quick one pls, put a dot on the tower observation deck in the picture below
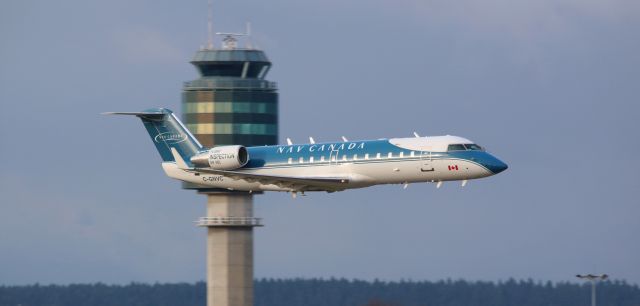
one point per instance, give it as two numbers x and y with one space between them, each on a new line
231 102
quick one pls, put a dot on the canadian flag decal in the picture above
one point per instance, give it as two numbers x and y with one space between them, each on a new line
455 167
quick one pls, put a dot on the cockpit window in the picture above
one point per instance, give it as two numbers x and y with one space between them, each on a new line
464 147
456 147
473 147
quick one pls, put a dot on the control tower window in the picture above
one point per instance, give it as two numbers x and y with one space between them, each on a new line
255 69
456 147
220 69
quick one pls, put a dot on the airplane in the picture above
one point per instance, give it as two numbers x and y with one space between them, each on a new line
328 166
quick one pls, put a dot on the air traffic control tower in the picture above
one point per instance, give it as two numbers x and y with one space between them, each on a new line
231 103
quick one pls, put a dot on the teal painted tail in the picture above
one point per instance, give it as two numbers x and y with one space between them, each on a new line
167 132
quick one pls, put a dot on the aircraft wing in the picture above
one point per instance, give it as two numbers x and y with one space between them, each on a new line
301 183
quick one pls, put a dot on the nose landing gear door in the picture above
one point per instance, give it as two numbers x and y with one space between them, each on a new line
426 160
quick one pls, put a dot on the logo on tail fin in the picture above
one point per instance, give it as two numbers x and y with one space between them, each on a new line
170 137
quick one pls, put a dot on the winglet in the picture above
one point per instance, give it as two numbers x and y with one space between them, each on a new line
179 161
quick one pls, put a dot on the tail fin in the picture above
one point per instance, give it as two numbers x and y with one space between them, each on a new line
167 133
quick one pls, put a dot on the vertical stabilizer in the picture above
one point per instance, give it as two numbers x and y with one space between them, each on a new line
167 133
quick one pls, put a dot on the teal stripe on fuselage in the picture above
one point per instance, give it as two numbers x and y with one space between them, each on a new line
278 156
269 156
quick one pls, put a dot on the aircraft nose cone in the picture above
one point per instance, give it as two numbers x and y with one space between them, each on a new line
499 167
493 164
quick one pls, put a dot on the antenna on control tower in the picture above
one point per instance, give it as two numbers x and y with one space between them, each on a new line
210 26
230 41
249 44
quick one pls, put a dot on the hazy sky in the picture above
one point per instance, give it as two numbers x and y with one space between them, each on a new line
550 87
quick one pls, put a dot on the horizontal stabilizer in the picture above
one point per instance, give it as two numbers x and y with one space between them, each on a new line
139 114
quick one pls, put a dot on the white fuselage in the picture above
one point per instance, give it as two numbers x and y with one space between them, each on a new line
363 172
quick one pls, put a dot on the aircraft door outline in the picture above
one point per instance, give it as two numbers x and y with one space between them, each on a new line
426 162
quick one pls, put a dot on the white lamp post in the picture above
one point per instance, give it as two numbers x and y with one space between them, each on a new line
593 279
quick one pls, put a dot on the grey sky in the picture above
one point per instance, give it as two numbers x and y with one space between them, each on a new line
551 87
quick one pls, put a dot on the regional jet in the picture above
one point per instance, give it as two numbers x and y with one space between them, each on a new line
330 166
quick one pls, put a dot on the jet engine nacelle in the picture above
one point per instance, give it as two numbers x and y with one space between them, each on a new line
222 158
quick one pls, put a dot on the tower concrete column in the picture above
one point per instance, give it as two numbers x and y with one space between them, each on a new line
229 223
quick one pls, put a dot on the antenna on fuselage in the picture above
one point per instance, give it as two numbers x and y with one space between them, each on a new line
416 134
289 141
345 139
311 140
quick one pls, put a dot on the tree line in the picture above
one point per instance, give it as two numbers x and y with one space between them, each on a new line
334 292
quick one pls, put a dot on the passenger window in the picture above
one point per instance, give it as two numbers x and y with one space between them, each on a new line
355 156
344 157
390 155
378 156
322 158
311 159
401 154
456 147
413 154
290 160
301 160
366 156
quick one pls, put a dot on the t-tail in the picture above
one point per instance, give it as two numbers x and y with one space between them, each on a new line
167 132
